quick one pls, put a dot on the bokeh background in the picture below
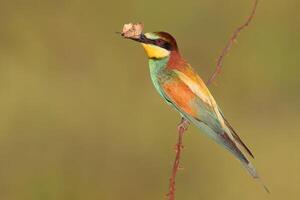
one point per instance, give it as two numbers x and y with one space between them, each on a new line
80 118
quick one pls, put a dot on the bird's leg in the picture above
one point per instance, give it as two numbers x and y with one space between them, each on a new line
182 127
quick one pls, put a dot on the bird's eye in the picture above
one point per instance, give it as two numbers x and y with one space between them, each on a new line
160 42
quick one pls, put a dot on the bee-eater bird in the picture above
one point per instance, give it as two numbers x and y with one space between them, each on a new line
182 88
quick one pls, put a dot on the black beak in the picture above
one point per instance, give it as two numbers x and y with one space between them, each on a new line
142 38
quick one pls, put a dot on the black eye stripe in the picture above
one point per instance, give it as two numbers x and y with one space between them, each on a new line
158 42
164 44
167 46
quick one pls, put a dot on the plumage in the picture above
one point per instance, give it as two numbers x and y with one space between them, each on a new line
182 88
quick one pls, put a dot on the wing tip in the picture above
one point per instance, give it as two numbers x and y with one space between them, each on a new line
237 138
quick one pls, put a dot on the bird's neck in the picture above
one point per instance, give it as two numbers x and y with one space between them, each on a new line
157 68
176 61
156 65
173 61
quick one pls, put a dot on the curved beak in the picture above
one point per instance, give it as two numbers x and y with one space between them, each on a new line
142 39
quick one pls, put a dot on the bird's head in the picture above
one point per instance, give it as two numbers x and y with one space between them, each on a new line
158 45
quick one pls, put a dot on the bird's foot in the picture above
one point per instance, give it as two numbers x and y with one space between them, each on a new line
183 125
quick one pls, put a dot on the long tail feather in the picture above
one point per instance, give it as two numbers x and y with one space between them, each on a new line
232 147
252 171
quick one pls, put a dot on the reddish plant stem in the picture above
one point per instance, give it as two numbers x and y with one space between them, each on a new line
182 127
230 43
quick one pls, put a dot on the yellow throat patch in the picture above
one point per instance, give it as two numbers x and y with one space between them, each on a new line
153 51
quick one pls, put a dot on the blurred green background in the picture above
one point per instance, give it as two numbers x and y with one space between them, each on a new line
80 118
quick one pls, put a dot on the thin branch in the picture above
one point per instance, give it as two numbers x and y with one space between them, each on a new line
182 127
230 43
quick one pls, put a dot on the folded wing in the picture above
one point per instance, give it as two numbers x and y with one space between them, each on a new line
189 95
